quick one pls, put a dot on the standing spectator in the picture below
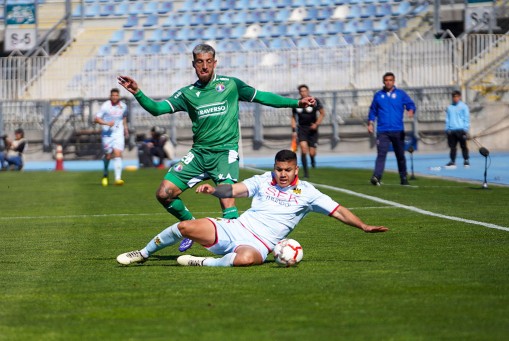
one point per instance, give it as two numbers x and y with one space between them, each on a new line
212 104
13 155
157 146
305 124
457 124
388 108
113 118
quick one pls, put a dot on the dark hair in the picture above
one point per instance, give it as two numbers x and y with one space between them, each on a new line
302 86
387 74
116 90
285 155
203 48
456 93
19 131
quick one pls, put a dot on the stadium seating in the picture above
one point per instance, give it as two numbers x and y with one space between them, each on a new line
154 27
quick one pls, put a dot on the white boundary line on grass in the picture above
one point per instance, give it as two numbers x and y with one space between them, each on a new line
410 208
414 209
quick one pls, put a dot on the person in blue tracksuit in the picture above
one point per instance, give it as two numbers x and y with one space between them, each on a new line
457 124
387 109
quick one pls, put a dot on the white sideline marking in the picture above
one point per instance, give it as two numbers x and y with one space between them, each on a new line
415 209
410 208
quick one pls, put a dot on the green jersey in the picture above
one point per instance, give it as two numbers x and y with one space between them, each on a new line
214 109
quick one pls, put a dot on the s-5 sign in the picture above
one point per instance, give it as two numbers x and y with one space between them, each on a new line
19 38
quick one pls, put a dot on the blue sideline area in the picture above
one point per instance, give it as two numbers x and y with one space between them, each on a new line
424 164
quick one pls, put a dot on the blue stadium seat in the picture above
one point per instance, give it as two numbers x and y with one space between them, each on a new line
168 34
210 32
104 50
78 11
299 3
336 27
171 20
266 16
282 15
199 5
122 9
122 50
324 13
151 8
132 21
197 19
268 4
183 19
211 18
136 7
154 48
305 42
354 12
117 37
253 17
239 17
300 29
379 38
281 43
137 36
322 27
213 5
368 11
279 30
351 27
381 25
141 50
311 13
253 44
226 17
156 35
241 5
402 9
224 32
183 34
283 3
166 6
92 11
229 45
238 31
423 7
365 25
226 5
151 20
383 10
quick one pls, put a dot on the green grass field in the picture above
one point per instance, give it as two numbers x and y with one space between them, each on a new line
428 278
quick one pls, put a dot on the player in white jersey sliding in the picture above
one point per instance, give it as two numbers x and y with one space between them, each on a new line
113 118
280 201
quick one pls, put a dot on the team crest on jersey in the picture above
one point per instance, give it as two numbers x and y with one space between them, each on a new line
393 96
220 87
178 167
157 240
297 190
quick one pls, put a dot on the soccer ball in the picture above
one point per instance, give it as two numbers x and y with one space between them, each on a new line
288 252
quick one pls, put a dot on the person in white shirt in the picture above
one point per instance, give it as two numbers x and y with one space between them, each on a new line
280 201
113 118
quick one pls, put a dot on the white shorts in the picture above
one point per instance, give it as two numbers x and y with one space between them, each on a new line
230 234
113 142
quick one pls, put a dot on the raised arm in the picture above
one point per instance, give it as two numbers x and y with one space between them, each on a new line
346 216
153 107
238 190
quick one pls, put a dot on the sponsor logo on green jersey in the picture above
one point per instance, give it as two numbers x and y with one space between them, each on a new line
214 109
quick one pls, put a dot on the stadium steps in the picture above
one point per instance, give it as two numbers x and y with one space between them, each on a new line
87 41
486 62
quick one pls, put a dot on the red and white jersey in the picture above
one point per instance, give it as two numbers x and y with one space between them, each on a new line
115 113
275 211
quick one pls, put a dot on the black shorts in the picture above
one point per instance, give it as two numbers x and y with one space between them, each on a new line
306 134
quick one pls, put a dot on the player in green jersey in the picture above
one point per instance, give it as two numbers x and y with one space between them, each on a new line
212 103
